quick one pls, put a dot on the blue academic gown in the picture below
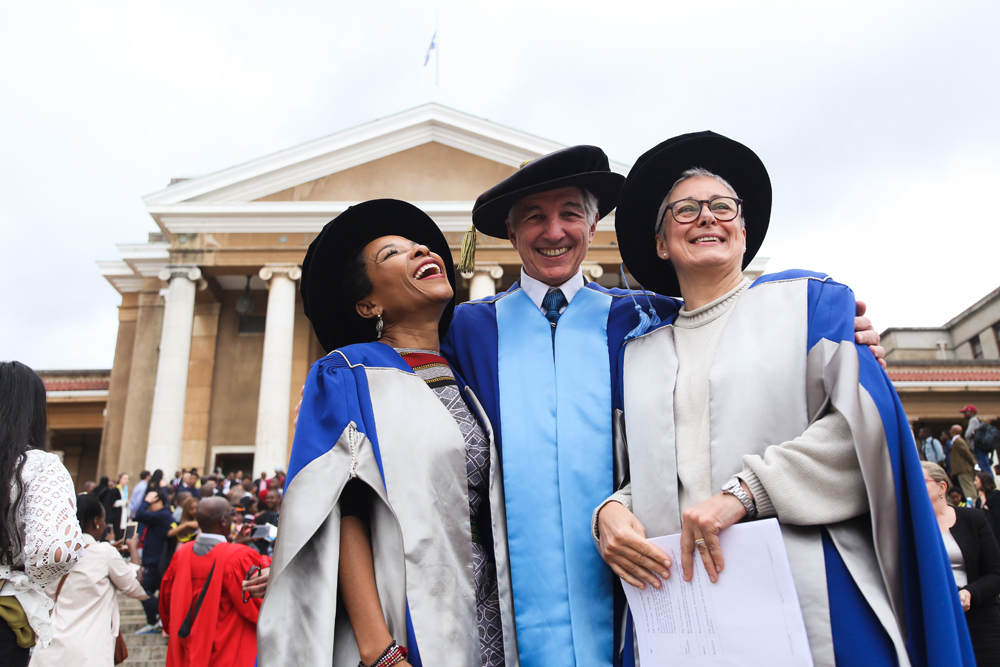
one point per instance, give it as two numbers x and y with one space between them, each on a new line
935 630
550 404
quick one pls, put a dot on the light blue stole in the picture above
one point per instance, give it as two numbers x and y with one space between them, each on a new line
555 416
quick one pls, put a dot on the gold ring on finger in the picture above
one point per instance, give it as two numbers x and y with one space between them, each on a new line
699 542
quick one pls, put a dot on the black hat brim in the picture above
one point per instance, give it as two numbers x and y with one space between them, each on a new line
491 217
322 289
650 181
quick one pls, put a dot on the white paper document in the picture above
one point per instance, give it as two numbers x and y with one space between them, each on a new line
751 616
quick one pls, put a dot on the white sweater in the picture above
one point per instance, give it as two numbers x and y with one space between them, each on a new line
810 480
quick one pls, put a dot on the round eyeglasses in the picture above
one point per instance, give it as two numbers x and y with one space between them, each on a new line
688 210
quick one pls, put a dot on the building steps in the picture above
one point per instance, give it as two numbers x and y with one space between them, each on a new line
143 650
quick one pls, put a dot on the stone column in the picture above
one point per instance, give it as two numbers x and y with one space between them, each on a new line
276 368
483 281
592 271
166 426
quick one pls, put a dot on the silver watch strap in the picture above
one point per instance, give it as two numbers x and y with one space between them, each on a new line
734 488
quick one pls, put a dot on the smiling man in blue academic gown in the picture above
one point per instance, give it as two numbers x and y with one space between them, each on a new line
547 390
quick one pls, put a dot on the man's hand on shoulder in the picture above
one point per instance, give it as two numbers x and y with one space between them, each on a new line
865 334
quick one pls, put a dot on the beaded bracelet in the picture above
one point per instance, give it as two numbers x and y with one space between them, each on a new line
390 656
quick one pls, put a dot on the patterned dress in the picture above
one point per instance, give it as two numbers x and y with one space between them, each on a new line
435 371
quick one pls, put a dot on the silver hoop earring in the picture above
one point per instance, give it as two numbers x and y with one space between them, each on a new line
379 324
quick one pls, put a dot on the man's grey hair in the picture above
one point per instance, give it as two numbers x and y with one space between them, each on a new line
685 175
590 208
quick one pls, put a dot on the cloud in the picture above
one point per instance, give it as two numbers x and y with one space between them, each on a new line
859 110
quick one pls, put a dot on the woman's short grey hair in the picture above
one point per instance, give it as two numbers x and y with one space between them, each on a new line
691 173
935 472
590 208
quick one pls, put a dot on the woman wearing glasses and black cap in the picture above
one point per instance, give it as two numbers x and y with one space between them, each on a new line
392 547
753 402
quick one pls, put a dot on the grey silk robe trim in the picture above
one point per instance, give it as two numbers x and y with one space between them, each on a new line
421 551
765 388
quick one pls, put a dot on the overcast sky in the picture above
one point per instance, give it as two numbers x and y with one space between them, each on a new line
878 121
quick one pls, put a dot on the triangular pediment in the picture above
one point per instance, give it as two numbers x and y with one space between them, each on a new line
428 172
315 165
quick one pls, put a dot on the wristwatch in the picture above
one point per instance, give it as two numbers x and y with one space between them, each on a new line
734 488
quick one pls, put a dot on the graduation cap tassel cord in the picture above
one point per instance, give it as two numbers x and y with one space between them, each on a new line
467 262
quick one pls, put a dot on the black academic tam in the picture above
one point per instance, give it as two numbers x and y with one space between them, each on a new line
323 269
577 166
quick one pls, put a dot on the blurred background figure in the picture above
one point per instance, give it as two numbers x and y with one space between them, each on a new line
975 562
268 517
211 570
988 499
111 498
180 497
40 538
930 447
85 617
187 525
956 498
159 521
963 463
121 515
155 481
138 493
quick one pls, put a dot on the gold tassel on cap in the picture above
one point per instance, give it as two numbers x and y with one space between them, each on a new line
467 263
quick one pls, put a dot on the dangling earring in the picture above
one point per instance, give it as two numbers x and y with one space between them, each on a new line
379 324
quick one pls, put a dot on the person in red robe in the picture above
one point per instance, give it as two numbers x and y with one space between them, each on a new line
209 623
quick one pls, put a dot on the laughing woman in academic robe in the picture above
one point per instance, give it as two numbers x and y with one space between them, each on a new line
754 401
392 548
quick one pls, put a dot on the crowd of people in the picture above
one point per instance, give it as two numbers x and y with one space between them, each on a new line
66 558
466 482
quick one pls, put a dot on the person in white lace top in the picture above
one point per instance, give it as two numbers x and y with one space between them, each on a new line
40 537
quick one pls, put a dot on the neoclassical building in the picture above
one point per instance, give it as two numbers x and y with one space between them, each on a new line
213 346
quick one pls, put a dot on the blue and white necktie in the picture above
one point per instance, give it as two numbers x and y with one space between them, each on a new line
553 302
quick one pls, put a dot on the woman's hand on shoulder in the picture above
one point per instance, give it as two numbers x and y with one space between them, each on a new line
624 547
700 530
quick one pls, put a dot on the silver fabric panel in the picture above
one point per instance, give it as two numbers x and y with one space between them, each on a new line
838 365
649 423
757 382
499 519
804 546
298 621
419 440
853 540
620 450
